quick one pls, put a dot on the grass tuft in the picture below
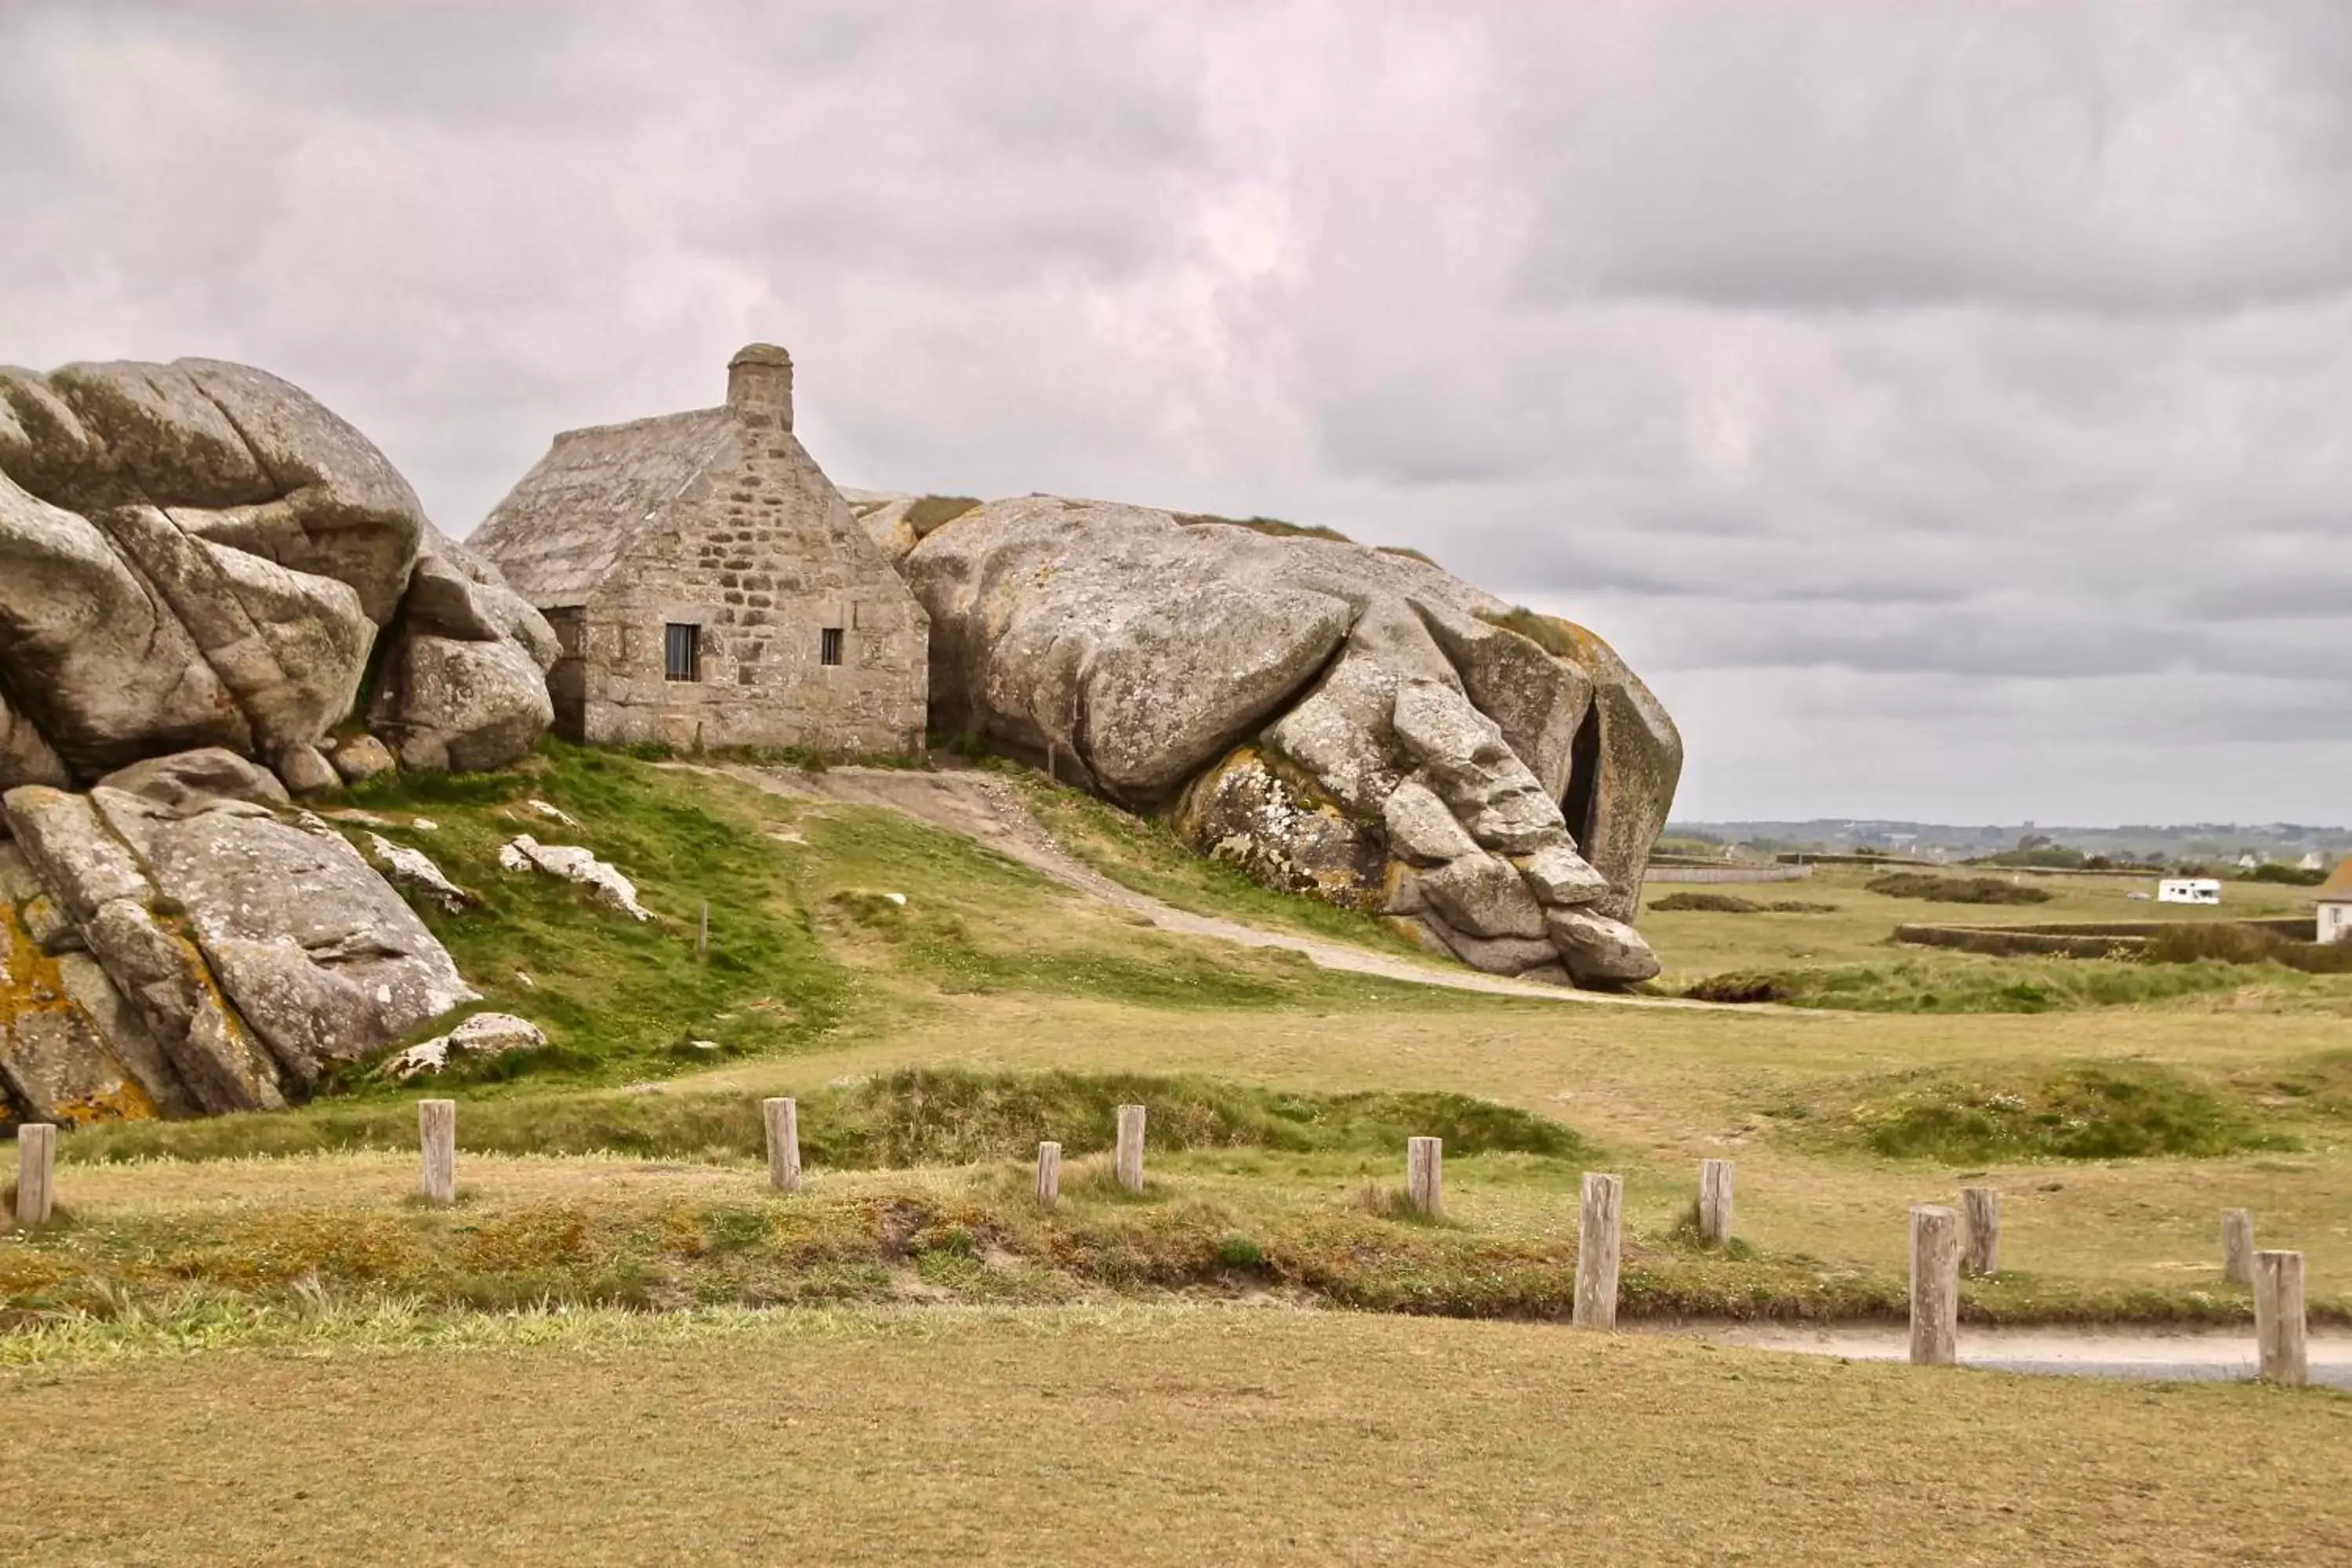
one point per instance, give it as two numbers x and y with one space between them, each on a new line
2091 1112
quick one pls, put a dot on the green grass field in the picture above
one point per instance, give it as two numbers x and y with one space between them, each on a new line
614 1223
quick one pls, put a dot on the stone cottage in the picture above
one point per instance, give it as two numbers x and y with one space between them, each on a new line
709 586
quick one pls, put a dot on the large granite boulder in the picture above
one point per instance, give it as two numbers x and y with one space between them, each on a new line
1347 722
464 682
180 939
199 555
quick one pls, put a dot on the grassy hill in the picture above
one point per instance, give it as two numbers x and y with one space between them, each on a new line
937 1009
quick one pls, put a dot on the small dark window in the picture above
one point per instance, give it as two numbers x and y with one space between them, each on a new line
828 646
682 653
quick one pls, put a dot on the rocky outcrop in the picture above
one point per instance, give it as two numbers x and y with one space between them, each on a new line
1351 722
571 863
178 940
482 1036
198 555
463 683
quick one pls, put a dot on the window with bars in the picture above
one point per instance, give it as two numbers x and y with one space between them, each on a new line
682 652
828 646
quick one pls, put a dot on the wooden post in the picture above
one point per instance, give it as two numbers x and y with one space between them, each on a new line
783 1118
2278 1318
1980 1206
1049 1174
1130 1147
1424 1175
436 1135
1934 1286
2238 1246
702 935
1714 1202
1597 1251
36 1173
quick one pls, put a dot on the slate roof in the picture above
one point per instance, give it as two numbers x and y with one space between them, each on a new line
2338 890
596 492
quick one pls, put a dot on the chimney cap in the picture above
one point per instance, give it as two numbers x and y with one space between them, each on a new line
760 353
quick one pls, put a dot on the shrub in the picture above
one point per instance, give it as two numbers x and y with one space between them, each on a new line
1955 890
1240 1252
1708 903
1732 904
2226 943
1273 526
931 514
1562 639
1743 987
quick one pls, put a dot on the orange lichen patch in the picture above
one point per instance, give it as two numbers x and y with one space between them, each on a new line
124 1102
1562 639
31 986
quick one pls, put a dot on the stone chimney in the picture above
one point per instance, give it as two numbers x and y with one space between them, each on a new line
760 383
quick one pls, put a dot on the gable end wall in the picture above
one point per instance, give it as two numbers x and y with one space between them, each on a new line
761 552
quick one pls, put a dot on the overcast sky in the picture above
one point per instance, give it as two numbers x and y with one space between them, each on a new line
1947 407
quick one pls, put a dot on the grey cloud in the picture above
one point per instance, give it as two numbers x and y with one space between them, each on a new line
2134 155
1944 405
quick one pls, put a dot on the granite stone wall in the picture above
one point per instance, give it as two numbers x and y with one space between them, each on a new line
763 556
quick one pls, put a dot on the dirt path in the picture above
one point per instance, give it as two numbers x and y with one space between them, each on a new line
2172 1355
992 812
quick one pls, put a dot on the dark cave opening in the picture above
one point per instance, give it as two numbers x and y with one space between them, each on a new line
1581 805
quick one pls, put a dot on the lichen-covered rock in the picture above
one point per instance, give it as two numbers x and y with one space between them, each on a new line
305 770
1499 955
1600 951
224 958
1560 876
1485 896
464 685
571 863
1421 828
1281 829
190 779
483 1035
199 555
56 1064
359 758
414 868
1320 714
25 757
1497 798
468 707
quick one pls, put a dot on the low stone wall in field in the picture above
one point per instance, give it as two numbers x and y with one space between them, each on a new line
1721 874
2083 939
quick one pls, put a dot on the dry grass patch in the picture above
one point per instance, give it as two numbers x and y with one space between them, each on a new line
1162 1435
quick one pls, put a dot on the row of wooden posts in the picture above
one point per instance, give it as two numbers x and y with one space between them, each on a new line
1945 1242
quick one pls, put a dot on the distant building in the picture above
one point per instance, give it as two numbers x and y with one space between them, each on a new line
2189 891
2335 904
2315 861
710 584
